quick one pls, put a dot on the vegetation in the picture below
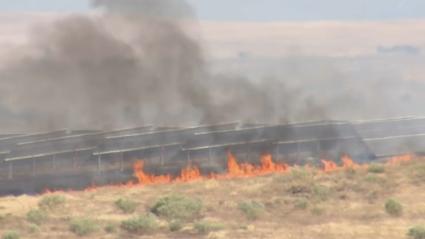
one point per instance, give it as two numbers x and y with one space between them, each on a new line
126 205
36 216
417 174
51 202
376 168
317 211
140 224
252 210
301 203
11 235
175 225
321 192
83 226
110 228
33 228
177 207
204 227
269 206
417 232
393 207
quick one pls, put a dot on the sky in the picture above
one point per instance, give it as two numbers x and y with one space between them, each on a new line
262 10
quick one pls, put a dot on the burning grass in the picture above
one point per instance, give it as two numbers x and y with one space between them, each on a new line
301 202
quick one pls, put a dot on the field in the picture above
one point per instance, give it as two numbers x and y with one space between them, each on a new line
381 201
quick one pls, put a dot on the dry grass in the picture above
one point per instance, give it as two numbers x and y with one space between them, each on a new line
301 204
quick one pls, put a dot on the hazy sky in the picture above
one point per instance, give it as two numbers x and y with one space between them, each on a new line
262 10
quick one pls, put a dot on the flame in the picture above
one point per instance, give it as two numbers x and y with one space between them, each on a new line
329 166
234 170
190 173
144 178
246 170
397 160
268 166
348 163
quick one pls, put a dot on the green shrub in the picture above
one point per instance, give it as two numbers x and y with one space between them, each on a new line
374 179
140 224
301 204
417 174
205 227
417 232
252 210
36 216
10 235
33 228
83 226
300 174
393 207
126 205
51 202
321 192
317 211
110 228
376 168
175 226
177 208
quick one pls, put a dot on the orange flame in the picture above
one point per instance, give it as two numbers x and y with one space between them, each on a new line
144 178
268 166
348 163
190 173
329 166
246 170
234 170
397 160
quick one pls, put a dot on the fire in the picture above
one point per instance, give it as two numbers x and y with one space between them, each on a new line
348 163
268 166
190 173
246 170
329 166
397 160
235 170
144 178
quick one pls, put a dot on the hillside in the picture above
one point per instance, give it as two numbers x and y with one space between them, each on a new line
301 203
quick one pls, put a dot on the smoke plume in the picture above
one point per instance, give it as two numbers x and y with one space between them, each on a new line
84 74
134 63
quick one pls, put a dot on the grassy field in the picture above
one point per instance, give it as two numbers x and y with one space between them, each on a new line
377 202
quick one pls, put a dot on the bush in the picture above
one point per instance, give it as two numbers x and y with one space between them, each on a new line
252 210
300 174
321 192
417 232
110 228
317 211
376 168
11 235
83 226
140 224
36 216
417 174
175 226
301 204
32 228
51 202
393 207
177 207
126 205
207 226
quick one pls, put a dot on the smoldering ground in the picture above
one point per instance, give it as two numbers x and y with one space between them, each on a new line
133 63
